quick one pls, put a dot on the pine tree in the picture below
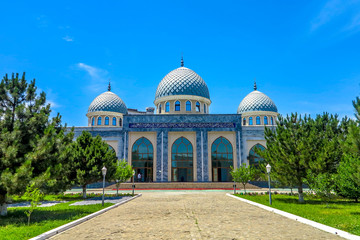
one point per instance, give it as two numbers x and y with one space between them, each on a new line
90 155
32 146
302 148
348 180
287 151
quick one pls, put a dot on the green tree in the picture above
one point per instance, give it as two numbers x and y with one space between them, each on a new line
287 151
301 147
34 195
90 154
243 174
123 172
348 180
33 147
323 184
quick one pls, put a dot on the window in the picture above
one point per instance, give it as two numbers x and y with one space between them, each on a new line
182 161
244 121
107 121
93 121
272 121
204 108
142 159
99 121
188 106
177 106
266 120
222 160
159 107
167 107
114 121
120 122
197 106
257 120
250 121
254 158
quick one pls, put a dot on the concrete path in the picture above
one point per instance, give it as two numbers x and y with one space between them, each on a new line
191 215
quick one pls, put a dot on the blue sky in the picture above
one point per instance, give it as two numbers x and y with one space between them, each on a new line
305 55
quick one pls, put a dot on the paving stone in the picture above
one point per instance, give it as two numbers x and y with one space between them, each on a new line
191 215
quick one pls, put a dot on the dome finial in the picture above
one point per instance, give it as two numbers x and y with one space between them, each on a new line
255 87
109 87
182 61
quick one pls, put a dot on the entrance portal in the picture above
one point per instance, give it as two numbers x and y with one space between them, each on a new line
182 161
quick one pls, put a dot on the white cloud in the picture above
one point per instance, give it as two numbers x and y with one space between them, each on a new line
99 77
331 9
68 39
354 25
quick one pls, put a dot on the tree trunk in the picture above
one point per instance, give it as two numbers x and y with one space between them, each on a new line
117 189
84 191
3 209
244 188
300 191
3 205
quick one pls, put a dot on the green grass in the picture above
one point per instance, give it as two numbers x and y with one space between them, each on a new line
14 226
340 213
64 197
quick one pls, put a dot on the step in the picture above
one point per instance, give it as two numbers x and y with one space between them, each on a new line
183 185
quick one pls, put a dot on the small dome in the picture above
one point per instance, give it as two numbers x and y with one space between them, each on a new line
182 81
256 101
109 102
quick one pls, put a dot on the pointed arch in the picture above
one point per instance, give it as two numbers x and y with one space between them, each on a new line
254 158
188 106
182 160
177 106
142 159
222 158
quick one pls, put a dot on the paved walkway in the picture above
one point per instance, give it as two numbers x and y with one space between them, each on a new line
191 215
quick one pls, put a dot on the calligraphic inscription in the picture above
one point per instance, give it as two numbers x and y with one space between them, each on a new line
181 125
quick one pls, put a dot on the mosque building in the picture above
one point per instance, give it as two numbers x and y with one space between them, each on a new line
180 140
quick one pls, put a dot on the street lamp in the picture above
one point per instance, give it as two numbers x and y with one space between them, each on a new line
133 185
103 170
268 170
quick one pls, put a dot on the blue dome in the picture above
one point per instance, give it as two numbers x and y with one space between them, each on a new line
108 102
182 81
256 101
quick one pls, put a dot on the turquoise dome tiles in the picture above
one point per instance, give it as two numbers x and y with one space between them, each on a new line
256 101
182 81
109 102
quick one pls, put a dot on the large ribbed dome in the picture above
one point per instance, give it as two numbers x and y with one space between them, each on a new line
182 81
109 102
256 101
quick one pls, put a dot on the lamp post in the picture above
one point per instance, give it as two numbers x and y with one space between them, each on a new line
268 170
133 185
103 170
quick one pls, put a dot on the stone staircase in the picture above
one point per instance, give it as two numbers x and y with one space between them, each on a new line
183 185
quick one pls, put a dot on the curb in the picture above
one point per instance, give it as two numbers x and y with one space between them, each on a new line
314 224
72 224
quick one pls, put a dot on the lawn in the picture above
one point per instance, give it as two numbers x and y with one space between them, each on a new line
340 213
14 226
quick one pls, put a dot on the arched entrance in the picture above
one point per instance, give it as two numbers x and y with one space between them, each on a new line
254 158
221 160
142 159
182 161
